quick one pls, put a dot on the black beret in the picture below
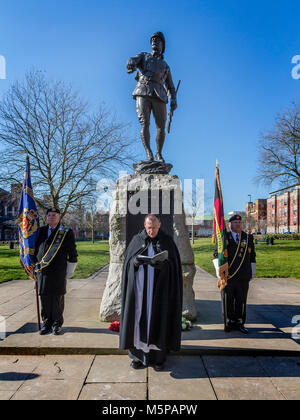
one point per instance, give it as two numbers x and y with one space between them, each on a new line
235 217
53 210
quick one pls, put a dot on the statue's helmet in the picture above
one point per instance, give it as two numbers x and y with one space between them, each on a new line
161 36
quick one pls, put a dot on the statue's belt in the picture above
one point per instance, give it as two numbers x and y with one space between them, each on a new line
53 249
145 80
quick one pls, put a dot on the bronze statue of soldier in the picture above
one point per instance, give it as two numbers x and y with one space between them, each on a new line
154 86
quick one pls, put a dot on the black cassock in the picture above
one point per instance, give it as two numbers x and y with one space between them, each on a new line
166 313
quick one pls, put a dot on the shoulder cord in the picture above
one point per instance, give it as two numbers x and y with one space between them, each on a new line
44 256
230 276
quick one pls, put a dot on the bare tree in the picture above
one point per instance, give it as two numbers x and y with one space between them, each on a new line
70 148
194 205
279 149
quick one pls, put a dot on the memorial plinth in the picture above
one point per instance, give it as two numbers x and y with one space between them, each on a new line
135 196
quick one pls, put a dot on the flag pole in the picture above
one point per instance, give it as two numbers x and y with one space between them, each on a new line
34 275
37 302
28 265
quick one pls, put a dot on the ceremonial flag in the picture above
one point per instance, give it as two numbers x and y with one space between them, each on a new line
220 232
28 224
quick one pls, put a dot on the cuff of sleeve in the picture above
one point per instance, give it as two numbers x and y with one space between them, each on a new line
70 269
253 268
216 264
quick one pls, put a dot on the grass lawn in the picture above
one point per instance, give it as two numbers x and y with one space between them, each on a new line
91 257
280 260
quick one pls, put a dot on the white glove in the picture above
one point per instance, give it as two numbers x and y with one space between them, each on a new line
253 268
70 269
216 264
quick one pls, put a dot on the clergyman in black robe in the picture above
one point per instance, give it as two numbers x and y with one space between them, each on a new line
151 311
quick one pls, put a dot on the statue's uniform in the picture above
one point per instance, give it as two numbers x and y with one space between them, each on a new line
241 257
52 277
154 85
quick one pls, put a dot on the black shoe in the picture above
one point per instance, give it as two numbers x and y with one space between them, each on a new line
56 330
242 329
227 329
159 367
136 364
45 330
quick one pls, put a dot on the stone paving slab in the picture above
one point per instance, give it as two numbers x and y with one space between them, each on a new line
61 367
115 369
6 395
15 370
183 376
49 389
114 391
284 374
240 378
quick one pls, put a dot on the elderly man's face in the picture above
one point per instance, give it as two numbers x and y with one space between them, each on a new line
152 227
157 44
53 218
236 226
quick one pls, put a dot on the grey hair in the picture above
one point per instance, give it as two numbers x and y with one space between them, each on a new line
152 217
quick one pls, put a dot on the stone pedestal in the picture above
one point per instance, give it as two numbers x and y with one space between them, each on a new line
135 196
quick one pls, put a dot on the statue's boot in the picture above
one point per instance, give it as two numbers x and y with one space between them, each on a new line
159 157
160 139
149 153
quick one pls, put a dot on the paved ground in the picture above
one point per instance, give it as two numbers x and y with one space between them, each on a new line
85 363
109 377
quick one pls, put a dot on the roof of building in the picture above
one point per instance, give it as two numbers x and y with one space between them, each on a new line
3 191
295 186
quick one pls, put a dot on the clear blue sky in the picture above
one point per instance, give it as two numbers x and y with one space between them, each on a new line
233 57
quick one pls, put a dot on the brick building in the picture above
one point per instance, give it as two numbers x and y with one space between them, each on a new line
8 213
283 210
256 215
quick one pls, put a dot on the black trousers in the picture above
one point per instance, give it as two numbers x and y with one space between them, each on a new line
155 357
234 300
52 308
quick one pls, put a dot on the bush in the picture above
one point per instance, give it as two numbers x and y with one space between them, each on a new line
284 236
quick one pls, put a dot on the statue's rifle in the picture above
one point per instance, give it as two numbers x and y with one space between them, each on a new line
171 111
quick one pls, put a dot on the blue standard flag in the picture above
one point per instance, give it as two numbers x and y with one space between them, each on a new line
28 224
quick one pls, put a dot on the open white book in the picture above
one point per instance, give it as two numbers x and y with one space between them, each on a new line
161 256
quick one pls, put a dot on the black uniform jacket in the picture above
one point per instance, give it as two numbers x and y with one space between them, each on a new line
52 279
244 272
165 324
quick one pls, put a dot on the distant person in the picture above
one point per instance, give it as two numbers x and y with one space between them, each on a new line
151 298
56 256
242 267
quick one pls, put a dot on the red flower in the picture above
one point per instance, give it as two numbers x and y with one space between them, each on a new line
115 326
